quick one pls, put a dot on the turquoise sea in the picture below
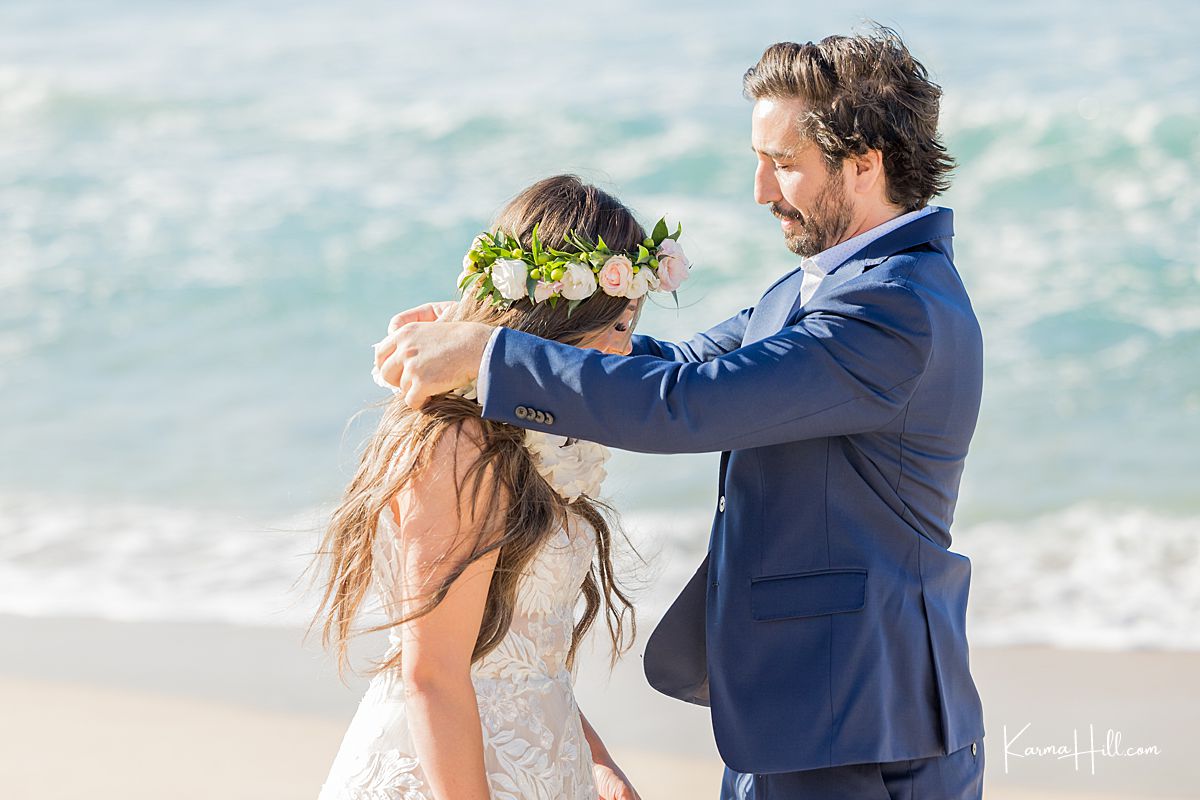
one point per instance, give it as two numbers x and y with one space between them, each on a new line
207 216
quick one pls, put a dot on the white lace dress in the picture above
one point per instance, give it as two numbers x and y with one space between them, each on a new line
534 747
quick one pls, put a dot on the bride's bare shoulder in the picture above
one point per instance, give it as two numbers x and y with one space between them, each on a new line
451 481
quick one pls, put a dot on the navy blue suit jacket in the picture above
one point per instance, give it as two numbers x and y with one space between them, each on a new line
827 624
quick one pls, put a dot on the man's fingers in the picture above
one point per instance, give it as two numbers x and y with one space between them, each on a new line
426 312
391 369
384 350
422 313
403 318
415 395
442 308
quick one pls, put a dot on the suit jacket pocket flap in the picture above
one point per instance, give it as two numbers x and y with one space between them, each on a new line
808 594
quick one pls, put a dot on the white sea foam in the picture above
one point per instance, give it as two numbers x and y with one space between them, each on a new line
1084 577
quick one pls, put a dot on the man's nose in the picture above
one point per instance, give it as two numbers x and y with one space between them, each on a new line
766 188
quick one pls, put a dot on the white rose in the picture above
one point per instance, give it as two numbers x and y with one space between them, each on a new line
578 282
644 280
509 276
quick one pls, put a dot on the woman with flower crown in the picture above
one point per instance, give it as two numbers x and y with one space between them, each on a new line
479 539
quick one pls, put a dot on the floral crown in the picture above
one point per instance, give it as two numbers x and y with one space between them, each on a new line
498 266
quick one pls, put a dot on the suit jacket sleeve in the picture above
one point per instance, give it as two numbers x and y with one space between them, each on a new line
848 366
716 341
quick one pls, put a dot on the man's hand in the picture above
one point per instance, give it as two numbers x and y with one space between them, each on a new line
424 359
429 312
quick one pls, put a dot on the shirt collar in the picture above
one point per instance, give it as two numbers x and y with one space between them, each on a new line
829 260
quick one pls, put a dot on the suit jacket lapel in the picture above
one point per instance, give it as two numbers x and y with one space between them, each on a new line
773 309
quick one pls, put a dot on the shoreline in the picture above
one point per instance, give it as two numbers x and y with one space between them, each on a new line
204 710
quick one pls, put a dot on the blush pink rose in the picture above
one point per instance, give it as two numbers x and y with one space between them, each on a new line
673 265
616 275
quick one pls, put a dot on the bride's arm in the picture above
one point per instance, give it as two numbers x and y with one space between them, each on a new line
611 782
435 533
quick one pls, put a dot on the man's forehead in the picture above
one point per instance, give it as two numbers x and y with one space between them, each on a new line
775 130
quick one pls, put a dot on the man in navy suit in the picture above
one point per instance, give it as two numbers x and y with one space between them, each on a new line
826 627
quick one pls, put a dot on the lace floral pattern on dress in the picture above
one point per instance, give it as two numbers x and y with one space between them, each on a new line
534 747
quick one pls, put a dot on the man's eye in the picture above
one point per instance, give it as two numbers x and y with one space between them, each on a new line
783 166
622 327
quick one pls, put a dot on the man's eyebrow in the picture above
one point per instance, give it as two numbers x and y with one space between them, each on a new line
775 155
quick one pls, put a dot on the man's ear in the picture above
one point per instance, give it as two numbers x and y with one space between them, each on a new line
866 171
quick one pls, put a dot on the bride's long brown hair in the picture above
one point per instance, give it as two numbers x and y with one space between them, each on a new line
521 508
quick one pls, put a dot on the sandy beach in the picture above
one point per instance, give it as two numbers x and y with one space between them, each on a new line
144 711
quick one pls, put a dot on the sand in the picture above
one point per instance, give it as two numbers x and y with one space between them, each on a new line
99 710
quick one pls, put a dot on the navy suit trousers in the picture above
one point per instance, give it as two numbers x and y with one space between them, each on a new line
957 776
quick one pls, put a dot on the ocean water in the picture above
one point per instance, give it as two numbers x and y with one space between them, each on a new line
207 217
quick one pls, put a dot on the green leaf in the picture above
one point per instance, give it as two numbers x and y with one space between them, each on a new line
643 254
535 245
465 283
676 296
554 301
531 284
660 231
581 244
678 231
574 304
600 245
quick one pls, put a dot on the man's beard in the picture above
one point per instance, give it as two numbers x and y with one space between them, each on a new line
825 224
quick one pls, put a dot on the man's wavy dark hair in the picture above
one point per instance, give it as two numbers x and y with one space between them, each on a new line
863 92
